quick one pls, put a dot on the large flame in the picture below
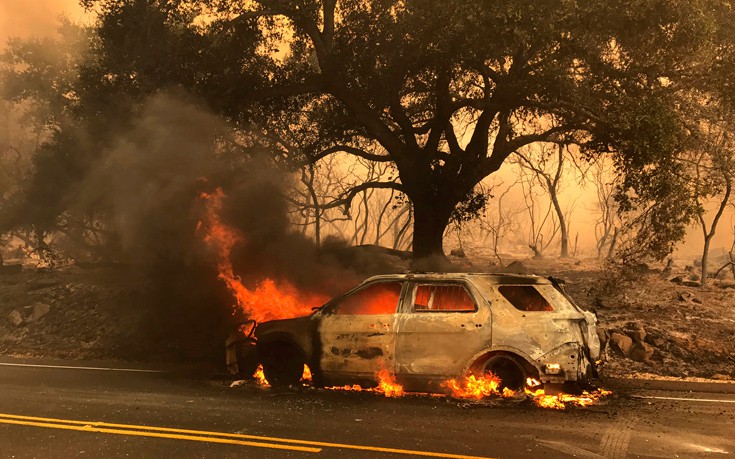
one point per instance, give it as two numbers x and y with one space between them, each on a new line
268 300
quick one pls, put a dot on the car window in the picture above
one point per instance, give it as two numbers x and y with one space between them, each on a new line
525 298
379 298
443 298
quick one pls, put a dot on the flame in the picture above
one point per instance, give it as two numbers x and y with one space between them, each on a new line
306 375
268 300
387 386
466 388
259 377
477 388
560 401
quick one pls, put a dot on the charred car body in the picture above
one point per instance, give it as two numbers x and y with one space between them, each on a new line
428 328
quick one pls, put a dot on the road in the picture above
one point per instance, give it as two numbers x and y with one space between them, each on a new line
57 412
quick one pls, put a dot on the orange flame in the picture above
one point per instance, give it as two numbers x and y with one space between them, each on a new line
467 388
560 401
387 386
477 388
268 300
259 376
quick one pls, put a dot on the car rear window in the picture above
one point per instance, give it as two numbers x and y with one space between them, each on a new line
525 298
443 298
380 298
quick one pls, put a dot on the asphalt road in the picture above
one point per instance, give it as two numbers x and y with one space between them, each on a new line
51 412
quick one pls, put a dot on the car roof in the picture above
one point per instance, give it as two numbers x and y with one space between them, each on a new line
493 278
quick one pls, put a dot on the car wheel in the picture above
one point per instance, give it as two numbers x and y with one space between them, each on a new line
282 365
506 368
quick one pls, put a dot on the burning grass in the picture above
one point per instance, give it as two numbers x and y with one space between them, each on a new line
472 387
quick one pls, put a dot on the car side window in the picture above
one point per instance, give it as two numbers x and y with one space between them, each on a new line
443 298
525 298
378 298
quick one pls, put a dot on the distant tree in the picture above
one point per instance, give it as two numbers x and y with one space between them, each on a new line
498 220
713 178
602 177
448 91
547 166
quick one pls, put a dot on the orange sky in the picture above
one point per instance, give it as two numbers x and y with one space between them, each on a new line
27 18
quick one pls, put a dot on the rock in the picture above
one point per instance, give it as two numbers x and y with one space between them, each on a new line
655 340
37 312
641 352
696 300
690 283
684 296
238 383
15 318
721 377
459 253
638 335
622 342
677 279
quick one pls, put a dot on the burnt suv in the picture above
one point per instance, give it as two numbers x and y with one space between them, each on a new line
428 328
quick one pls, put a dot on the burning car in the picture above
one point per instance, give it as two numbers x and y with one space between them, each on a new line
428 328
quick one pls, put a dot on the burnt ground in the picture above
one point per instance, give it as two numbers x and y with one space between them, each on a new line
104 313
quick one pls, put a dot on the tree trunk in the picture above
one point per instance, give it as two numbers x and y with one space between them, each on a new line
562 223
430 221
705 260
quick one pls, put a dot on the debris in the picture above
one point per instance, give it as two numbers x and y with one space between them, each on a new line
238 383
721 377
15 318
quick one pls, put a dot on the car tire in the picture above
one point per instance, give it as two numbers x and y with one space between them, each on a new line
283 365
511 374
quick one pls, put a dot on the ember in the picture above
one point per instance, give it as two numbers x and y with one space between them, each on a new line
268 300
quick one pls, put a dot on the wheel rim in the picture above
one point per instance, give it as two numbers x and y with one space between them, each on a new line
507 369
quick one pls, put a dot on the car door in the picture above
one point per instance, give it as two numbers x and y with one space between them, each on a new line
441 326
357 333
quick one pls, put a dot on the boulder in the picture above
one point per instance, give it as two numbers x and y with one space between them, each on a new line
37 312
622 342
638 335
641 352
15 318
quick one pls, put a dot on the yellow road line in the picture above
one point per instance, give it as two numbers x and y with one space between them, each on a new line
379 449
138 433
